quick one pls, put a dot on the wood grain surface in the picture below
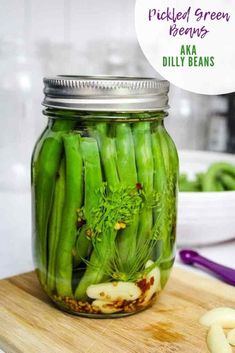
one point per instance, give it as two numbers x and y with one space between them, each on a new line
29 323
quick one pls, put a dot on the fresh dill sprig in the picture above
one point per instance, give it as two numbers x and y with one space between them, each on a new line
116 206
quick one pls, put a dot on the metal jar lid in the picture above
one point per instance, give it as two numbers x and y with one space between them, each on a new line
105 93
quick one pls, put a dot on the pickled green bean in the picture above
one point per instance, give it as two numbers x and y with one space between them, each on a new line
144 161
108 155
95 270
46 169
128 177
159 174
55 226
93 183
160 153
73 201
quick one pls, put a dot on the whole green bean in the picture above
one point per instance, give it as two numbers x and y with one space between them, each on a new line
167 166
73 201
108 154
173 178
159 174
45 162
174 160
172 167
144 161
103 253
161 177
128 177
55 226
46 168
209 182
93 183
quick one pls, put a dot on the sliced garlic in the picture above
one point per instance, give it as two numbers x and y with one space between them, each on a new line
105 307
114 291
154 279
216 340
231 337
225 317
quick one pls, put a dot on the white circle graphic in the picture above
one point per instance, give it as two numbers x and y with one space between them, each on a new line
191 43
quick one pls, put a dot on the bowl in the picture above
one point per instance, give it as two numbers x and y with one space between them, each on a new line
204 217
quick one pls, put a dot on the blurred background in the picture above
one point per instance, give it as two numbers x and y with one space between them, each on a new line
48 37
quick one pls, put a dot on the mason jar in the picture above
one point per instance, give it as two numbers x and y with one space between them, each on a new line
104 187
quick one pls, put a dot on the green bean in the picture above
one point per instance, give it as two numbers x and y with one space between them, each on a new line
159 175
219 185
93 183
73 201
103 252
45 164
63 125
144 161
173 177
46 168
108 155
55 226
128 177
167 166
227 181
126 155
161 183
186 185
209 182
174 160
95 271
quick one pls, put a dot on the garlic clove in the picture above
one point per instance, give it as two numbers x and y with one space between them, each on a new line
216 340
223 316
154 280
114 291
231 337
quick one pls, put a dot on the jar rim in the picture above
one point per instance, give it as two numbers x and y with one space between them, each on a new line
106 93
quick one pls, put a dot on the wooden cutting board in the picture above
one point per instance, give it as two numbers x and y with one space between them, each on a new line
29 323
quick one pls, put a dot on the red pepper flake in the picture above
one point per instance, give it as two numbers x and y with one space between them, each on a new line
81 223
151 281
139 186
143 285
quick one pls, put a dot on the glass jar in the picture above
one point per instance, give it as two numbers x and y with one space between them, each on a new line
104 185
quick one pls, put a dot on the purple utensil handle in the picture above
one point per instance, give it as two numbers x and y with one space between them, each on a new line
191 257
